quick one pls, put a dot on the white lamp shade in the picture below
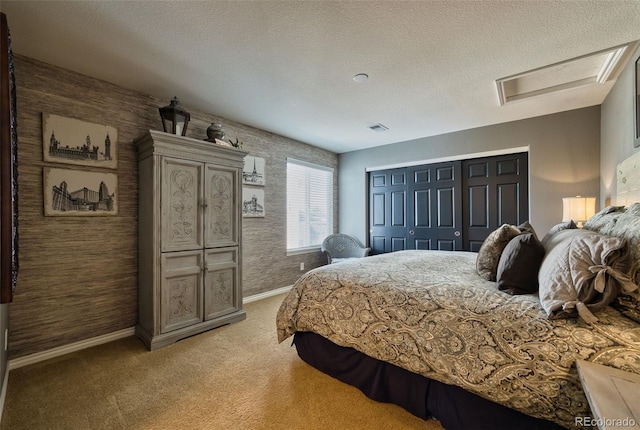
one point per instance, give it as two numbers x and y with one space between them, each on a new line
578 209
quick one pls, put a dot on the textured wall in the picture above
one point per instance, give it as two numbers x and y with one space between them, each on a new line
78 275
617 134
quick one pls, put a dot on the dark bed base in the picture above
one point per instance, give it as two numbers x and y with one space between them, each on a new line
454 407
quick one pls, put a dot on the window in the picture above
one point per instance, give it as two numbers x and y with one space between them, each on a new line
309 204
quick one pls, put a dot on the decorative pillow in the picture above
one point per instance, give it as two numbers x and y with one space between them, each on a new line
519 264
555 229
625 223
605 220
525 227
491 250
582 272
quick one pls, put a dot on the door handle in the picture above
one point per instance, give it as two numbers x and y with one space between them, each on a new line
411 232
456 233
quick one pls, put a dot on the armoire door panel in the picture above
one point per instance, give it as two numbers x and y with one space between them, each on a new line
220 207
180 205
181 286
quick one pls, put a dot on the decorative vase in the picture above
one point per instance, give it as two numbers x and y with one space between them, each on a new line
215 131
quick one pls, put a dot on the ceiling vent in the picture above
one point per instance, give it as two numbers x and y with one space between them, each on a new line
378 127
590 69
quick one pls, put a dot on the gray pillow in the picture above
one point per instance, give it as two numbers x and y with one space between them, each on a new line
567 225
491 250
519 264
526 227
582 272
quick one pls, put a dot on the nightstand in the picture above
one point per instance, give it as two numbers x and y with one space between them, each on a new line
614 396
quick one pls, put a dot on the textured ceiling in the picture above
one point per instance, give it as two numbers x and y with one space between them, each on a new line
287 66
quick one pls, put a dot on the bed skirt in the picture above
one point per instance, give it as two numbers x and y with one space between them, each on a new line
454 407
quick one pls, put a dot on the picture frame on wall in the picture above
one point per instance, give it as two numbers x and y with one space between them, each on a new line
72 141
636 105
253 171
70 192
252 202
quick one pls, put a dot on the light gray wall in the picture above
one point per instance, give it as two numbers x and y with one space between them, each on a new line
564 160
617 130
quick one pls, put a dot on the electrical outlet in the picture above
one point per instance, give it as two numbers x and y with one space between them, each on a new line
301 266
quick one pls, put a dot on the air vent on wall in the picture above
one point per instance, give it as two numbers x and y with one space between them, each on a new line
596 68
378 127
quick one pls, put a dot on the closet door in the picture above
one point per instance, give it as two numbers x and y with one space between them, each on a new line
387 210
434 215
496 191
447 206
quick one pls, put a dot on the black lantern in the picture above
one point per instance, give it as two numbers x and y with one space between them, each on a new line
174 118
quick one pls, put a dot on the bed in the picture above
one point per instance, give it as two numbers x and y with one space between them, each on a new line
424 330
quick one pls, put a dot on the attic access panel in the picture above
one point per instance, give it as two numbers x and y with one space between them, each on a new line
596 68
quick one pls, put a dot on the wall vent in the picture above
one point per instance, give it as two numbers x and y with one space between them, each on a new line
378 127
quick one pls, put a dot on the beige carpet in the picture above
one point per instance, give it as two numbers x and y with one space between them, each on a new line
233 377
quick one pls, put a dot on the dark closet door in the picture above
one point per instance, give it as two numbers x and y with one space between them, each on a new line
434 215
496 191
387 210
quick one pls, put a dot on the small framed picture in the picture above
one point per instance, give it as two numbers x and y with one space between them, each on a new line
253 171
72 141
252 202
69 192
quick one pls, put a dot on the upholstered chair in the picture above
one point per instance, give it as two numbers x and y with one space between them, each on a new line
341 247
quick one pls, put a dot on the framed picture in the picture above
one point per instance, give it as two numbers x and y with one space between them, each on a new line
252 202
8 168
69 192
71 141
636 106
253 171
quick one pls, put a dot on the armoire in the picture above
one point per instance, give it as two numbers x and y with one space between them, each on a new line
190 237
452 205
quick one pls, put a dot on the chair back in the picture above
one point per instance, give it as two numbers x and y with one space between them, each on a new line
342 246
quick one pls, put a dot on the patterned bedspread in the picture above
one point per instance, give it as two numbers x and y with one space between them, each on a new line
430 313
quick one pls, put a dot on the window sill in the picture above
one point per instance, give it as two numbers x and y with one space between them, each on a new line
306 250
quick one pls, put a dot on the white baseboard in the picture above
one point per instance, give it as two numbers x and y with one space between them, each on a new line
266 294
99 340
3 394
72 347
